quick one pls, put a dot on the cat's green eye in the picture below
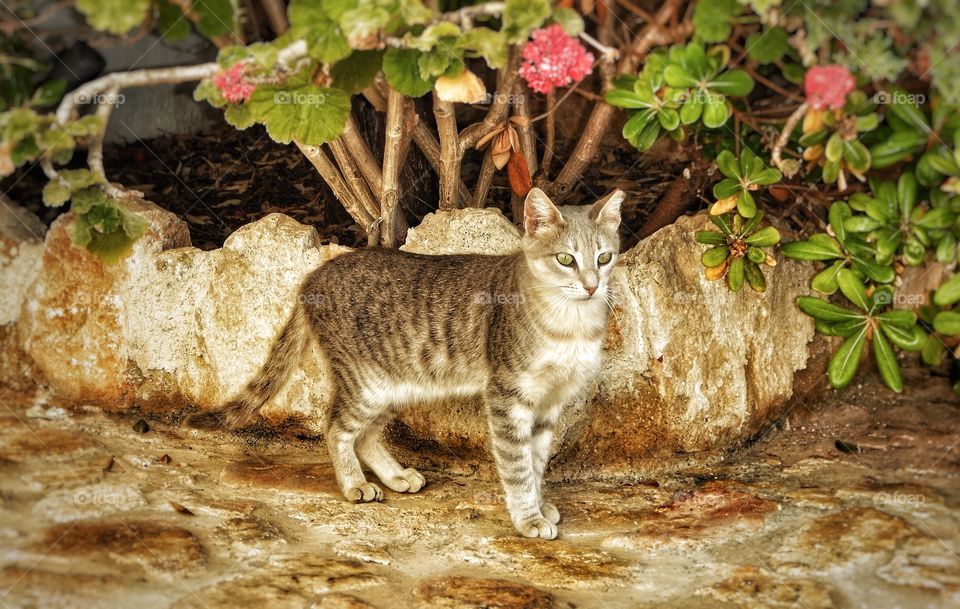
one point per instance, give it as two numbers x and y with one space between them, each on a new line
604 258
565 259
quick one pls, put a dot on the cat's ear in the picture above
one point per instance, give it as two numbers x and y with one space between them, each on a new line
539 213
606 211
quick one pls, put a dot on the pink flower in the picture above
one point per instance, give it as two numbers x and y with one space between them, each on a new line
827 86
233 84
553 59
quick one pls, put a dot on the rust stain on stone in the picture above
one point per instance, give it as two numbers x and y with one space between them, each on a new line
476 593
298 477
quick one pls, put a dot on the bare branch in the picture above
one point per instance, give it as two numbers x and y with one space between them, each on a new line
391 168
784 138
498 108
354 178
483 180
430 148
361 153
451 154
277 14
328 171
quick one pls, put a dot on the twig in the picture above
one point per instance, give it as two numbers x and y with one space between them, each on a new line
354 177
551 129
277 15
784 138
430 148
484 179
95 150
391 169
586 149
331 175
528 141
361 153
451 154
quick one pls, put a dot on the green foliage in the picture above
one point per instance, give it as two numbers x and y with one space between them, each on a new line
675 89
742 178
114 16
737 250
713 21
832 139
869 319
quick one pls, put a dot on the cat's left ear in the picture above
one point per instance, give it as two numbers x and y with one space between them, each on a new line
606 211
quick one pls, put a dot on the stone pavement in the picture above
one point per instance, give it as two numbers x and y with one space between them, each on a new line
853 502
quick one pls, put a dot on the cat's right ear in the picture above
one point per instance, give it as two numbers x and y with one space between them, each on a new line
539 213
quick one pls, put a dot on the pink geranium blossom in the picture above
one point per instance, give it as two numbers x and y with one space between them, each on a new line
233 84
827 86
553 59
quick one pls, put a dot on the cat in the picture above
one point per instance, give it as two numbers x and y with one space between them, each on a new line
523 331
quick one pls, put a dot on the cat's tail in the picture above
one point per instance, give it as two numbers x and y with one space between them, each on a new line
284 356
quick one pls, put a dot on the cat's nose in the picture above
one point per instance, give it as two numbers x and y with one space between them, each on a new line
590 289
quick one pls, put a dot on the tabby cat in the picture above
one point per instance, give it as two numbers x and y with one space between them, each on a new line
522 331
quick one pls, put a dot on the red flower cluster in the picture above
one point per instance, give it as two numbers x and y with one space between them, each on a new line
827 86
233 84
553 59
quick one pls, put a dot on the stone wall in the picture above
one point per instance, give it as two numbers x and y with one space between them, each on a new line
691 368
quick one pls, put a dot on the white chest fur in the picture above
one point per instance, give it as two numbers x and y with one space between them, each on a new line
561 370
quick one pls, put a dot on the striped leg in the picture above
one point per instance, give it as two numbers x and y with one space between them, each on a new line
541 437
378 458
511 427
348 423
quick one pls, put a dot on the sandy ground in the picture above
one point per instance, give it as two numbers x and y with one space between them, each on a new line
850 502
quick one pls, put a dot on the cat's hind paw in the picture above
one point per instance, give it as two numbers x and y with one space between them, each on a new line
538 526
364 493
407 481
550 512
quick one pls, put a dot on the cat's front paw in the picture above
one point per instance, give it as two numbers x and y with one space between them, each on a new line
538 526
407 481
550 512
364 493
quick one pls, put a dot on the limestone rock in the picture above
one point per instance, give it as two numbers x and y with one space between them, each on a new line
21 253
464 231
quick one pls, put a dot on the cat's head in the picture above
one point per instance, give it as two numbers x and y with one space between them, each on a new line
573 248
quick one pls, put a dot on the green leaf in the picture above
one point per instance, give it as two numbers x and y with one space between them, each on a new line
853 289
746 206
728 164
726 188
947 323
300 110
948 293
823 310
767 177
755 276
844 363
623 98
856 155
834 149
712 20
647 136
489 44
906 193
861 224
911 339
874 271
48 93
569 20
400 66
692 110
357 71
933 351
736 83
820 246
765 237
838 214
675 76
723 223
669 119
887 362
239 116
715 255
769 46
114 16
756 255
172 24
214 17
939 218
521 16
86 199
710 237
825 281
735 275
715 111
55 193
896 148
899 318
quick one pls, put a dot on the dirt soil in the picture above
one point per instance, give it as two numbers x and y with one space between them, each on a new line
850 502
